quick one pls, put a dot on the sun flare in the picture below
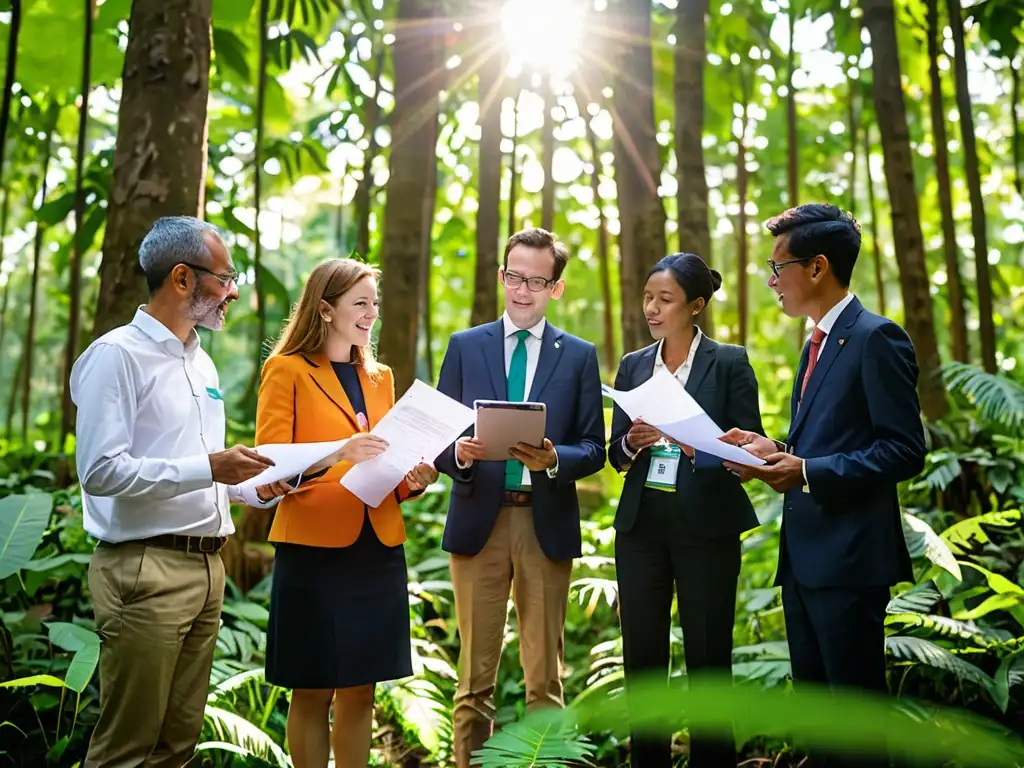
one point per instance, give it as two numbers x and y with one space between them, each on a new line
543 35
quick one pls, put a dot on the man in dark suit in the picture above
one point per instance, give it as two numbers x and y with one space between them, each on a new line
855 433
515 524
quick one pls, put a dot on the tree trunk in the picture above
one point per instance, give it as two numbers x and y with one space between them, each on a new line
485 287
692 195
67 409
876 249
37 253
417 49
160 152
637 166
12 64
603 257
954 286
4 208
424 305
547 194
742 279
986 324
340 236
513 187
364 191
12 395
890 111
1018 141
257 190
853 125
793 166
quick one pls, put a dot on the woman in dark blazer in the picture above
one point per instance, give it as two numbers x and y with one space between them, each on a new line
682 534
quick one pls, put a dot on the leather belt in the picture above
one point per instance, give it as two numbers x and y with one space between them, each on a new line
207 545
517 499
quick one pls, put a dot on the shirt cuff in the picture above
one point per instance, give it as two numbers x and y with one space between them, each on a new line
552 471
625 449
803 468
459 464
196 471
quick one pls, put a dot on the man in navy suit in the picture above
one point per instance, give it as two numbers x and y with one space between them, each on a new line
855 433
515 524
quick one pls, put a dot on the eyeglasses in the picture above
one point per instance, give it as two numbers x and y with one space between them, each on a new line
777 265
535 284
224 279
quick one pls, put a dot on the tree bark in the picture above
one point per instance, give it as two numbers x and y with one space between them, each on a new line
364 191
9 74
513 186
547 194
257 189
876 248
793 166
986 324
4 209
853 126
954 286
417 50
742 280
67 409
890 111
692 185
1018 141
160 152
485 287
603 257
637 165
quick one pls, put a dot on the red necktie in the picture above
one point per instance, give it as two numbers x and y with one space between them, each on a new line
812 358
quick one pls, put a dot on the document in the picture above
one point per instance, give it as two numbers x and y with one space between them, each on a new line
420 425
289 460
663 402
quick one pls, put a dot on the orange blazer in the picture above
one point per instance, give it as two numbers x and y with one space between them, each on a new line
302 401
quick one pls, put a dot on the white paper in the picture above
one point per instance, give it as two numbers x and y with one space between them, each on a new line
289 460
417 429
662 402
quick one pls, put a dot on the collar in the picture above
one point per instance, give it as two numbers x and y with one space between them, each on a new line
161 334
829 320
659 362
510 328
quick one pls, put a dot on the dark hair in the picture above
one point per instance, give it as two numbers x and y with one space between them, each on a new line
694 276
821 229
540 238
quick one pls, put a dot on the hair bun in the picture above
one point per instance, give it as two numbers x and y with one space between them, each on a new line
716 278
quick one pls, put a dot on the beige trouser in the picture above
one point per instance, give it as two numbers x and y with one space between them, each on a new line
512 558
157 613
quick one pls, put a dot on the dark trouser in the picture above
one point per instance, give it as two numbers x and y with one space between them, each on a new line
651 563
836 638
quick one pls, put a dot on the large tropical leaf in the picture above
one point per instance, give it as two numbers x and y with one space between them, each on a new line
999 399
922 541
920 598
23 521
82 642
928 653
228 728
969 536
545 739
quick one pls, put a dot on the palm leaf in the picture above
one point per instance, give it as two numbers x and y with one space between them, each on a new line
23 519
969 535
922 651
920 598
922 541
228 728
999 399
544 739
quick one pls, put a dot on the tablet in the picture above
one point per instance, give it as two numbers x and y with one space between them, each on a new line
501 424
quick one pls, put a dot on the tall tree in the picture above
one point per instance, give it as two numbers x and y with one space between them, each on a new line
890 111
67 410
416 51
547 193
637 164
954 286
986 323
692 185
160 152
9 74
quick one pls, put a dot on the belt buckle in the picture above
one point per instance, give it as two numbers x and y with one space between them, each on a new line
212 547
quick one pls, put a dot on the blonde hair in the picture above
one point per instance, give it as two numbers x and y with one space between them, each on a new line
305 332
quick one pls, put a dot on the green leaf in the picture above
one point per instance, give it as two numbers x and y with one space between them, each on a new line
230 51
922 541
921 598
544 739
970 535
56 210
82 642
28 682
56 561
23 520
928 653
999 399
228 728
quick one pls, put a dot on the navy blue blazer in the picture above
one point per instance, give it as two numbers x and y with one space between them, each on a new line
859 431
568 381
712 502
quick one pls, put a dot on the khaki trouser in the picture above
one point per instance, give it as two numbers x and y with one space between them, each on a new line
512 558
157 613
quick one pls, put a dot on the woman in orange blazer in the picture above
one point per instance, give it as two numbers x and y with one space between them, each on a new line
339 605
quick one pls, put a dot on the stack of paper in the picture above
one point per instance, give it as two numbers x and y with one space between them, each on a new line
420 425
289 460
662 402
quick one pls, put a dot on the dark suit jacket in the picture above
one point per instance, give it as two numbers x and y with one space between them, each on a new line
859 430
711 499
568 381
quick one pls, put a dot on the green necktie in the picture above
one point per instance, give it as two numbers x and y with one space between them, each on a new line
516 392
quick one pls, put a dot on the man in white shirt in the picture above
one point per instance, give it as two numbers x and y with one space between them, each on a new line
156 484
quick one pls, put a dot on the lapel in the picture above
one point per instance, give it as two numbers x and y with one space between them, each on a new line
550 353
644 368
702 361
795 396
494 357
835 342
326 381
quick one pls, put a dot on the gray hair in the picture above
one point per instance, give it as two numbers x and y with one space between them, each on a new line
174 240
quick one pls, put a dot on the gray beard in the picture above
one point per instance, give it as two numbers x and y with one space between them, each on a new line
203 310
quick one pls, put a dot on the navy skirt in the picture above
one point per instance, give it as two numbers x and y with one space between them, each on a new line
339 616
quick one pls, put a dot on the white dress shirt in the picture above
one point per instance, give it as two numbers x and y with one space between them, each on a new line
826 324
150 413
533 344
682 373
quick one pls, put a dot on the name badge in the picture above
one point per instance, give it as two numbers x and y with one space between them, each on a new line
664 466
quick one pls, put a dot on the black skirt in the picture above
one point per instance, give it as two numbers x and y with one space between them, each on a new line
339 616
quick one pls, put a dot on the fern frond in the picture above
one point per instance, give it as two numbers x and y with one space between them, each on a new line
226 727
999 399
922 651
